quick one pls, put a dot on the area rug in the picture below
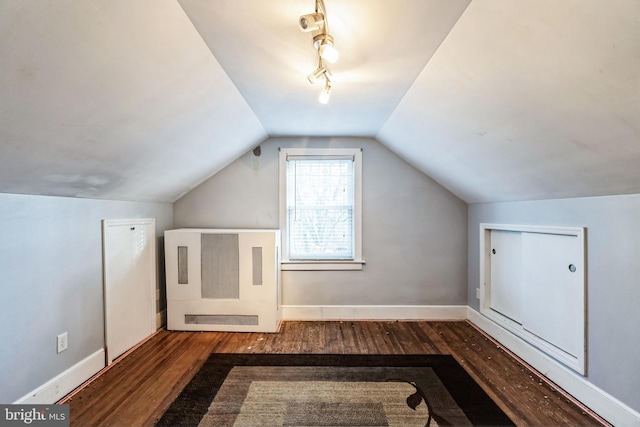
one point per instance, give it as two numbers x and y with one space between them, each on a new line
332 390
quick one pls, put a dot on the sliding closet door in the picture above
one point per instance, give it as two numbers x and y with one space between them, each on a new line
533 285
129 283
506 274
553 291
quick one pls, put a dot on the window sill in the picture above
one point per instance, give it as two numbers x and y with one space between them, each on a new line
313 265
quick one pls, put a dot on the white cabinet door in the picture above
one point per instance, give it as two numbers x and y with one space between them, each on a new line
506 274
554 295
129 283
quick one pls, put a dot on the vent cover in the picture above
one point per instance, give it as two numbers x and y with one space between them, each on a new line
220 266
256 260
183 265
220 319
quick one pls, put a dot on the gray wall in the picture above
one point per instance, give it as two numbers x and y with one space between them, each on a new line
51 282
613 277
414 231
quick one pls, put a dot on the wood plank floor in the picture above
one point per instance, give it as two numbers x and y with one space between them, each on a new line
137 389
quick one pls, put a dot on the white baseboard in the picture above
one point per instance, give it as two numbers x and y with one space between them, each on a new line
58 387
374 312
602 403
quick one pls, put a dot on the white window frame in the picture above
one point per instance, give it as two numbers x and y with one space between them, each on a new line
358 261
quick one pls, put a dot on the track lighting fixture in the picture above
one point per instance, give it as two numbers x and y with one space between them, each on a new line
323 42
318 73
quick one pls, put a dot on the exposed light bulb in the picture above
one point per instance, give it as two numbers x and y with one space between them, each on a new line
326 91
329 53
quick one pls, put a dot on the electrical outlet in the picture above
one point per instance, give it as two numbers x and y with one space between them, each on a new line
62 342
478 293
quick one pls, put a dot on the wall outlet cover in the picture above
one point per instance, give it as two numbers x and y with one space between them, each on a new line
62 342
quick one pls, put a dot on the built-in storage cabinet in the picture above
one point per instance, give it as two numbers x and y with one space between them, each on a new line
223 280
533 284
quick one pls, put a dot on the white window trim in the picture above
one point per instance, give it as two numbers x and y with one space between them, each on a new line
314 265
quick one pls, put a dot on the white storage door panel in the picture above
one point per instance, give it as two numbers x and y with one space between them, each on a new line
129 283
506 273
554 295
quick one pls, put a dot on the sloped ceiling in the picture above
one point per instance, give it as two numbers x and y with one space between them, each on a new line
144 99
117 99
529 100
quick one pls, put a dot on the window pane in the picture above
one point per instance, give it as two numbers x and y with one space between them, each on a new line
320 209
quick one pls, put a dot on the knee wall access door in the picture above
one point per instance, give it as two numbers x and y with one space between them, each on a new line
533 284
129 257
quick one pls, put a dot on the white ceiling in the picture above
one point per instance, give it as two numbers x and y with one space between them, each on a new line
495 99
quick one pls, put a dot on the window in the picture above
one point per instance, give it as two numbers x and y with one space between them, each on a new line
320 208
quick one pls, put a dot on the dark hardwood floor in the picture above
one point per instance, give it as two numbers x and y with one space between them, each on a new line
137 389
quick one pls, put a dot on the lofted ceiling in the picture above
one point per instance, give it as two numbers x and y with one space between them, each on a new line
144 99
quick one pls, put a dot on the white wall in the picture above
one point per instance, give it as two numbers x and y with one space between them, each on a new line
613 278
414 230
51 282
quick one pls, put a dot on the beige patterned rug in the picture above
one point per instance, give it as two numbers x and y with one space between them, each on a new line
315 390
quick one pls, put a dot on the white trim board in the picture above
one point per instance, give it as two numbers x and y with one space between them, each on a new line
61 385
602 403
377 312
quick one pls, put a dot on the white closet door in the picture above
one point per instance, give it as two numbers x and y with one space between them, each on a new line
506 274
129 283
554 295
